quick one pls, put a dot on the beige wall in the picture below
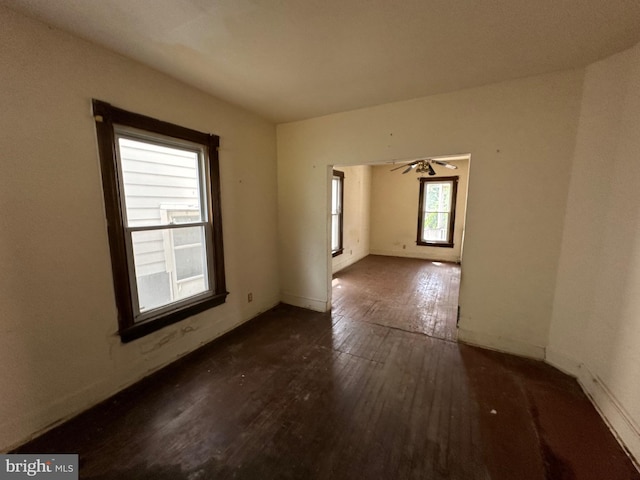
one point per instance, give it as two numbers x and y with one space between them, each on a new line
595 331
536 272
520 135
59 349
394 213
357 199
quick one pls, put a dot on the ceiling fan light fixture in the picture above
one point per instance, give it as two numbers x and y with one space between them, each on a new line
422 166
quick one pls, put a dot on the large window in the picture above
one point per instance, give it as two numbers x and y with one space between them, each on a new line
337 196
436 211
162 200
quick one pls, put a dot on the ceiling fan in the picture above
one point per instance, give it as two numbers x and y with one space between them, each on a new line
424 166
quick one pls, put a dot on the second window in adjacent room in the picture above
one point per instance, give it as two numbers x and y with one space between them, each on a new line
436 211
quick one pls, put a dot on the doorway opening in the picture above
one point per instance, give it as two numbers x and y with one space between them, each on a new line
387 274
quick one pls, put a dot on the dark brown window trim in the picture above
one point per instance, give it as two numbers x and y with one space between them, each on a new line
106 116
452 217
339 251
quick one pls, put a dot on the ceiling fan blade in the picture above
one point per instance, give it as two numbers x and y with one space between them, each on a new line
445 164
409 168
405 164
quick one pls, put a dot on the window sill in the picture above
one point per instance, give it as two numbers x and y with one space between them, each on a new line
428 244
150 325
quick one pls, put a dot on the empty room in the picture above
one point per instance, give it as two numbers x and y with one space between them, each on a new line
260 239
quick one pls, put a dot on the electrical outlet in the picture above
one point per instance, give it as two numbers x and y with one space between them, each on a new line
250 297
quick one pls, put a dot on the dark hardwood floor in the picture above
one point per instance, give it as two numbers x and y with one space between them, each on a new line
358 394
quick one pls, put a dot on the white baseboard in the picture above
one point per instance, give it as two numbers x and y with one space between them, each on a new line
620 422
501 344
314 304
345 260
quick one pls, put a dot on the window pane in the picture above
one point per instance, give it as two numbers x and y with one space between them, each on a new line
436 227
335 232
170 265
438 197
189 262
187 236
156 179
335 195
432 197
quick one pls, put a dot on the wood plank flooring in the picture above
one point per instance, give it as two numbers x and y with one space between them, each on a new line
296 394
407 293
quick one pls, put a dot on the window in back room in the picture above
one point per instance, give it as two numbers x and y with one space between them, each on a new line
436 211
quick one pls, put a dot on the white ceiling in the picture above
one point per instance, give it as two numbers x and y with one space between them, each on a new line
295 59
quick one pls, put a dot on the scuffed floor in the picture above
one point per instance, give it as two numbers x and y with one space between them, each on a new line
536 422
356 394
